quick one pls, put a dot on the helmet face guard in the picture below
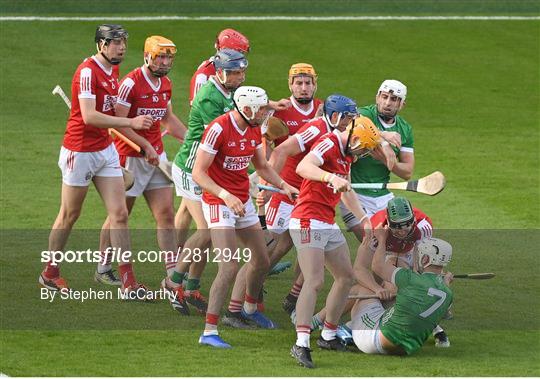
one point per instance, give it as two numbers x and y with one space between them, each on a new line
363 137
227 60
158 49
400 215
105 34
342 105
255 98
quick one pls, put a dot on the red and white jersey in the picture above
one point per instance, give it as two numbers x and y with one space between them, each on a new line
294 117
201 76
306 137
91 81
143 98
422 229
233 149
317 200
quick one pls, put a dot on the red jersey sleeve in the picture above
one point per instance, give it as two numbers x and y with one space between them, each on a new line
87 84
212 139
126 93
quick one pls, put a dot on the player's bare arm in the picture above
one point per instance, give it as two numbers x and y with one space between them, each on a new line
386 155
267 173
363 274
379 265
404 167
309 168
91 116
174 126
350 200
200 176
280 154
393 138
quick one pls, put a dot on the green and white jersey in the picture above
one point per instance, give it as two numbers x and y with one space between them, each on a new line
370 170
209 103
421 302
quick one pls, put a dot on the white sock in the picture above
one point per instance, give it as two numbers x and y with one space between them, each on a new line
103 268
328 334
212 331
437 329
250 308
302 339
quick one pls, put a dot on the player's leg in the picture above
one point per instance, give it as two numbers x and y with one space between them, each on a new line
365 316
104 272
338 262
223 238
182 223
255 270
72 199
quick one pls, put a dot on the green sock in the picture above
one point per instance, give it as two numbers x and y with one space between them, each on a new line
193 284
178 277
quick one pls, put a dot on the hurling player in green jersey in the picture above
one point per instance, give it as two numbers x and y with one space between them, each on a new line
389 101
422 299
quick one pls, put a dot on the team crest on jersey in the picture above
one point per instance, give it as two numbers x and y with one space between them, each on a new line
197 190
155 98
226 215
113 84
108 103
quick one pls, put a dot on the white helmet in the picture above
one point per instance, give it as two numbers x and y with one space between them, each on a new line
396 87
252 97
438 251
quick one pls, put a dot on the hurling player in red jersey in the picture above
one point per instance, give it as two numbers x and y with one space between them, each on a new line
303 84
318 240
338 112
226 39
147 90
87 153
228 145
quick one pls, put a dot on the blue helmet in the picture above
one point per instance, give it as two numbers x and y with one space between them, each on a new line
228 59
343 105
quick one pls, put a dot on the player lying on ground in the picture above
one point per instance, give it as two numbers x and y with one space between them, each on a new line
146 90
228 145
408 226
88 153
317 237
422 299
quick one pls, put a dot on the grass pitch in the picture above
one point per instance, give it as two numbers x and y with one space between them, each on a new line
474 105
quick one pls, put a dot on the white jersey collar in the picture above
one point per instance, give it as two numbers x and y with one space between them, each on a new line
156 89
242 132
108 72
300 110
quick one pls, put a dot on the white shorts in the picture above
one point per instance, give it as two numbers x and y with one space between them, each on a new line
278 215
371 205
146 176
219 216
78 168
365 328
184 184
317 234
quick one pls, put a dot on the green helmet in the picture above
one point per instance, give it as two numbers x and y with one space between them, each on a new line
400 213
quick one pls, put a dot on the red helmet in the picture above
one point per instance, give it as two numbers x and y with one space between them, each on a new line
232 39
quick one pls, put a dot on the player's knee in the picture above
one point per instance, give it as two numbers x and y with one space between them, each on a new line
315 284
118 217
165 218
68 217
227 272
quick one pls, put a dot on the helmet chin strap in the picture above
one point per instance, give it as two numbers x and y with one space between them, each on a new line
334 126
244 117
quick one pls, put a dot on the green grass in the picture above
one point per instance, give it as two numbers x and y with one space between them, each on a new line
474 96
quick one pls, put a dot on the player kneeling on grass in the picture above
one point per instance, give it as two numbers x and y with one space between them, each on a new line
423 298
317 237
146 90
228 145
